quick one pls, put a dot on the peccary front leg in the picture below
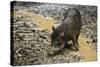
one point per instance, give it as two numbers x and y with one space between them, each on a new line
75 43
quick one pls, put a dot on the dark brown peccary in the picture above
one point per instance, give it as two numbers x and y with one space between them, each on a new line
69 29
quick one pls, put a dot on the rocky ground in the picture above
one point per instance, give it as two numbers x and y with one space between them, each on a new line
32 43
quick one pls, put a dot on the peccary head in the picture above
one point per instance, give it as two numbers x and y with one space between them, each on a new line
56 37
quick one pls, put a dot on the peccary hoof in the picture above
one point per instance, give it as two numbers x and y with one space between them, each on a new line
77 49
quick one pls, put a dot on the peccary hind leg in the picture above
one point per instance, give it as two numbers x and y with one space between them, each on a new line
75 43
77 40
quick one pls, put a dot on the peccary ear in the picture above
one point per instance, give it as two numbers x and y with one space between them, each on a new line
53 28
62 34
